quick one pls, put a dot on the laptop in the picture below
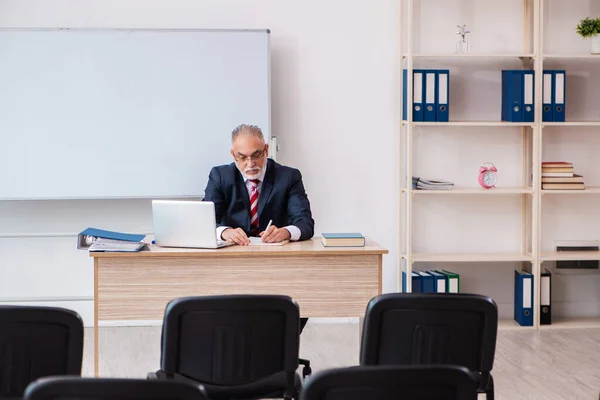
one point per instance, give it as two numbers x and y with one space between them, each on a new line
185 223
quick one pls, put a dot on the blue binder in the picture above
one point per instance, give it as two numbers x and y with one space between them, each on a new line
427 282
523 312
430 95
104 234
547 96
418 93
518 87
416 282
439 281
442 85
528 96
559 83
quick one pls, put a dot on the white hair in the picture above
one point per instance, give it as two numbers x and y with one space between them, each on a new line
250 130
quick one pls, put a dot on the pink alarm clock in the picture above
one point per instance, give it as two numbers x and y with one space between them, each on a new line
487 175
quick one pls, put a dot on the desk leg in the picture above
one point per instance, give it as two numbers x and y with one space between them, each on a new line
96 340
380 277
361 326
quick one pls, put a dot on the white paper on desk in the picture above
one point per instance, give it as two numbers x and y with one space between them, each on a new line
102 244
256 241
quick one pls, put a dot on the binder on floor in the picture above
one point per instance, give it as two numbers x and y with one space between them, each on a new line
523 312
547 95
417 110
546 298
430 91
452 281
559 81
427 282
443 95
528 96
439 281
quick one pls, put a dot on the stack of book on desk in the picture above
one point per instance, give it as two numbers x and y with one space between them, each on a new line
559 175
431 184
353 239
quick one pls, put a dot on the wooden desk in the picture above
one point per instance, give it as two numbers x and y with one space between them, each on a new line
324 281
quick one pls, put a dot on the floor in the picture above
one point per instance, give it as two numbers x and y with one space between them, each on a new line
549 364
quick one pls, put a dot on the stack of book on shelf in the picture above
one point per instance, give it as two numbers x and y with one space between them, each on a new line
432 281
431 184
559 175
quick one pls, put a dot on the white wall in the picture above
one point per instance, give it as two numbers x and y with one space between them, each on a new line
336 111
335 96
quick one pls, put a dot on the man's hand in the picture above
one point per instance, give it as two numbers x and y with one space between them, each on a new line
235 236
275 234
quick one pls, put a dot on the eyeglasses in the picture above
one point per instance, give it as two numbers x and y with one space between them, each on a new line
254 157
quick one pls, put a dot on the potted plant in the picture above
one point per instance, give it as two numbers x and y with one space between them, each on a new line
590 28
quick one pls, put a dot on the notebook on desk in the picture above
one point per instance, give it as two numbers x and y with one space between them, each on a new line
257 241
185 223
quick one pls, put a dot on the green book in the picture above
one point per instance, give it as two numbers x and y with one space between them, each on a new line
341 239
452 281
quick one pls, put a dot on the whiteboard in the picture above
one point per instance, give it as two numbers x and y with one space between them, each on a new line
104 113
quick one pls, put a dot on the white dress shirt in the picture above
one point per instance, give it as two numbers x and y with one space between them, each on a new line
292 229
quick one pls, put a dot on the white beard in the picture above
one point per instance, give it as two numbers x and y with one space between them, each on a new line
246 176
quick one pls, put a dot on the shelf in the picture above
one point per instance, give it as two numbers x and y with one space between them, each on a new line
572 323
572 56
569 123
475 191
587 190
570 255
471 55
471 123
469 257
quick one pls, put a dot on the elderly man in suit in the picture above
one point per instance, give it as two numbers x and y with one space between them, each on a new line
253 190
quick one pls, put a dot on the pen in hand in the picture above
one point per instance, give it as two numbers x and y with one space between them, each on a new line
268 225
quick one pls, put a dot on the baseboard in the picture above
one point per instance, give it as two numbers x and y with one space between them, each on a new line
85 308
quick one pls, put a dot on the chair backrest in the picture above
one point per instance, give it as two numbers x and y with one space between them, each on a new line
37 342
59 388
430 328
231 339
423 382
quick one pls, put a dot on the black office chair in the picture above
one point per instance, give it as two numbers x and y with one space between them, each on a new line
236 346
60 388
432 328
305 362
37 342
423 382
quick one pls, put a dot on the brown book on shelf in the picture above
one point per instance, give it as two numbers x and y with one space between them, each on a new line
558 174
557 169
556 164
567 179
563 186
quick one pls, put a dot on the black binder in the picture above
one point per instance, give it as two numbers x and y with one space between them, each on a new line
546 298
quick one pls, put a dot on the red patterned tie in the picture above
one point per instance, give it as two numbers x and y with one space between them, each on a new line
254 207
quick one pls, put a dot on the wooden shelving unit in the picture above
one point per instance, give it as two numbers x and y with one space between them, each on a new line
472 123
469 257
473 191
529 191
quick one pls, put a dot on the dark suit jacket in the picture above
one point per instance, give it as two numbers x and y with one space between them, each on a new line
281 198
